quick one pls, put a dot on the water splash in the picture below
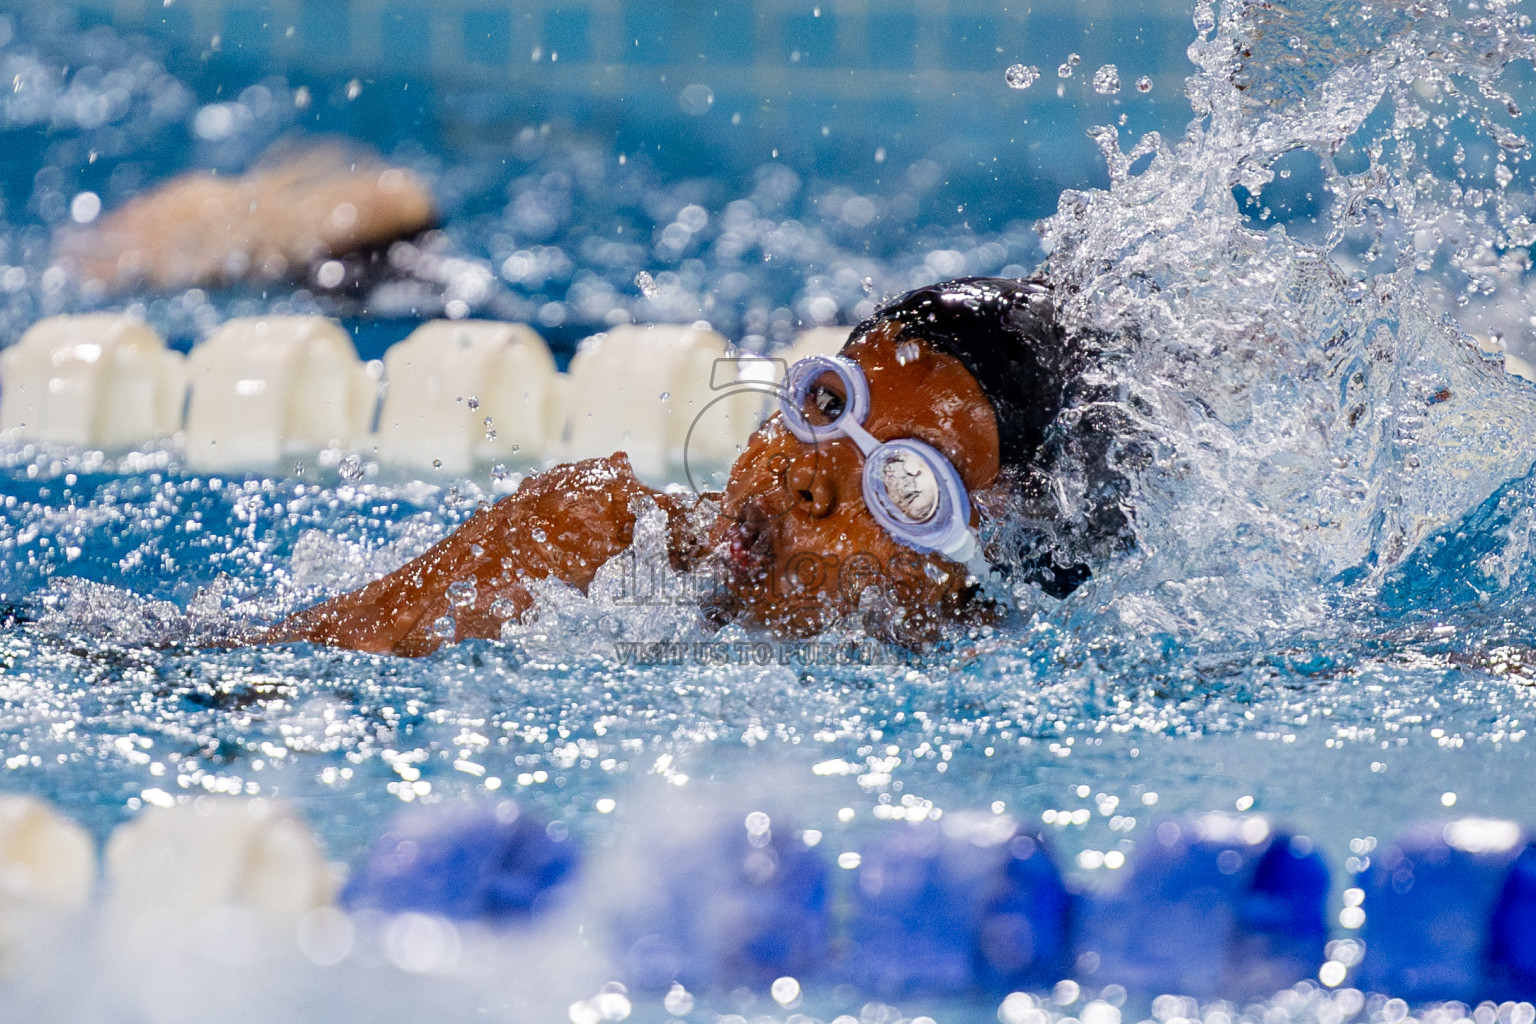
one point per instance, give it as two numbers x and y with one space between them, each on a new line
1311 414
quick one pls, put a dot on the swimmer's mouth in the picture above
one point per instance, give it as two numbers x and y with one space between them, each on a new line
746 546
742 559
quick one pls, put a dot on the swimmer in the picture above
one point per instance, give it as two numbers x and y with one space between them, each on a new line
876 471
292 210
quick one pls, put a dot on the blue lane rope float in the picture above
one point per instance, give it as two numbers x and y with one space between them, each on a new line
495 863
972 903
1443 905
1512 939
1214 906
741 905
1211 907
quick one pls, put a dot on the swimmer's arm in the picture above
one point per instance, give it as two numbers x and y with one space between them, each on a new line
563 523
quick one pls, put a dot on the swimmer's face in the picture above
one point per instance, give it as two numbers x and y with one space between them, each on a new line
797 546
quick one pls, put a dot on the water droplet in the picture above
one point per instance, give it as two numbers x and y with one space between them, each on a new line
907 352
1143 84
785 991
1074 59
474 403
666 396
498 472
696 99
1021 76
503 608
868 284
354 89
1205 19
461 594
331 274
444 627
678 1001
1064 71
1106 80
646 283
437 463
539 535
85 207
350 469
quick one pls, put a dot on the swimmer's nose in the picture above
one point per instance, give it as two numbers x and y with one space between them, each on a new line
810 484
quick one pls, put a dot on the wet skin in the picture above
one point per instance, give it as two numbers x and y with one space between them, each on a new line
797 545
792 545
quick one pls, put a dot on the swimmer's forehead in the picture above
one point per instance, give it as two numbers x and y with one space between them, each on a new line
885 336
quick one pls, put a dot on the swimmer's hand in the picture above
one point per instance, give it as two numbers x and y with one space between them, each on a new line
563 523
272 223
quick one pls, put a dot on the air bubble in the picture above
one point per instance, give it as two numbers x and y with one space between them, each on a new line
330 274
1021 76
696 99
1143 84
85 207
1106 80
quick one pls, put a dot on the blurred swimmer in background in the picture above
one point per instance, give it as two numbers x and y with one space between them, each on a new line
300 205
957 432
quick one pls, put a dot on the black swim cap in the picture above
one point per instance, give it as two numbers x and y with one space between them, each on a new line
1006 333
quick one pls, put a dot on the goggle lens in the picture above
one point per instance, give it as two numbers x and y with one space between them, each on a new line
819 393
910 486
826 399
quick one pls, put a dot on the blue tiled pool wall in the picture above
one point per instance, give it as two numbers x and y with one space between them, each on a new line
821 85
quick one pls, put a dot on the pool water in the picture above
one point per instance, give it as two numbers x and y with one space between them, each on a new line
1324 619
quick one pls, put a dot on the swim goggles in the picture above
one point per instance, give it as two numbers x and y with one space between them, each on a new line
912 490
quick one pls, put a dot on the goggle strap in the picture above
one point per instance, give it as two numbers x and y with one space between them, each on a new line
962 549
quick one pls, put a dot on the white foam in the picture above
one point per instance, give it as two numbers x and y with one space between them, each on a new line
98 380
453 383
263 387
